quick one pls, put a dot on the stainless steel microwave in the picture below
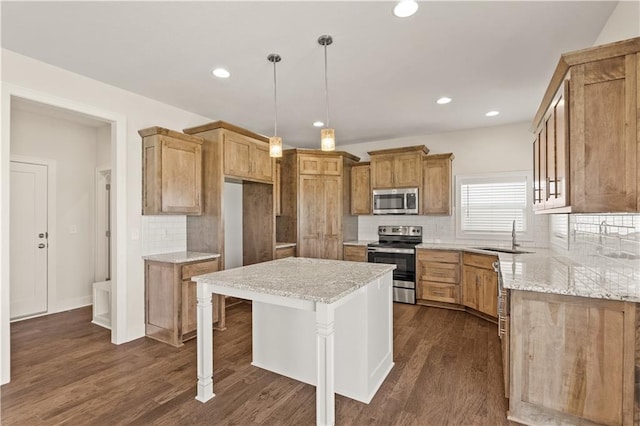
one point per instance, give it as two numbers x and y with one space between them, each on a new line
395 201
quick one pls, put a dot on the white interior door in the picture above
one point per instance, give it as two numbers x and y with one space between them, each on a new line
29 246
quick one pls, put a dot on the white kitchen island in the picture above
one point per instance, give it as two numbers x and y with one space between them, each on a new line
328 323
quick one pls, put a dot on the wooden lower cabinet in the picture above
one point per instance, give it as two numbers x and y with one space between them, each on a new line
355 253
438 275
573 360
480 283
170 300
282 252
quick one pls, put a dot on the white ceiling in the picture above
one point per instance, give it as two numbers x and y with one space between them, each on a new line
385 73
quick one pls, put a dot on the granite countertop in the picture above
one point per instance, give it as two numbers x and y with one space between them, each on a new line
285 245
181 257
316 280
561 272
593 276
358 242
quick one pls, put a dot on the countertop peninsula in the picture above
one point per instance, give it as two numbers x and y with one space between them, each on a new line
181 257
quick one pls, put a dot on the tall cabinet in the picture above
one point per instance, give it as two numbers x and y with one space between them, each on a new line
233 154
315 202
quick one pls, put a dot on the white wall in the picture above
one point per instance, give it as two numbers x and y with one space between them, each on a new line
103 146
623 23
484 150
73 147
21 74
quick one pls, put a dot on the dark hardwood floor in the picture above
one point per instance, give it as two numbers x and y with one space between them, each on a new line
66 371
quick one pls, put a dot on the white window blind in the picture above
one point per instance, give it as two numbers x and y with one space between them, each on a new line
488 205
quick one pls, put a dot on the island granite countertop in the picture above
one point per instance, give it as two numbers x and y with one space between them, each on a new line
181 257
316 280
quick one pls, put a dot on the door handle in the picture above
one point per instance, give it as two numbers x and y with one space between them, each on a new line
41 245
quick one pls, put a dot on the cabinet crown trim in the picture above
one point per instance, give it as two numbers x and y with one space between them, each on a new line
228 126
579 57
404 149
320 152
156 130
440 156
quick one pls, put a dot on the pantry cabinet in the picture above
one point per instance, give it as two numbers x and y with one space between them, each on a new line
585 149
315 210
361 189
170 300
437 184
480 283
171 172
397 167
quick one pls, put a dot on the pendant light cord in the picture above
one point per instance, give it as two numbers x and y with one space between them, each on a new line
326 83
275 101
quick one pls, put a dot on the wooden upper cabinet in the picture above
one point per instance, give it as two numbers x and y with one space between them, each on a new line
247 158
277 189
586 143
318 165
397 167
171 172
437 184
361 189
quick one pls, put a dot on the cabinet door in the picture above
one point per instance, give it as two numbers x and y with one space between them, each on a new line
181 176
355 253
559 188
407 170
331 203
311 217
237 155
382 171
436 186
470 285
361 190
540 168
603 117
310 165
262 163
488 292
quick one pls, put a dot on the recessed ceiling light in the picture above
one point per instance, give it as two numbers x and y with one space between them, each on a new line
443 100
492 113
221 73
405 8
318 124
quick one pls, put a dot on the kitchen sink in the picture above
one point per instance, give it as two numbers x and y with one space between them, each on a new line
503 250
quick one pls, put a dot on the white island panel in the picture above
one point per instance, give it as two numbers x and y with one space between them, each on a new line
363 341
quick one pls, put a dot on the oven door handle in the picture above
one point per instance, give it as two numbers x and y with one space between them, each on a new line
390 250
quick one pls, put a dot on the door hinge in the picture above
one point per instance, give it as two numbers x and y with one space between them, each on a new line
108 186
107 234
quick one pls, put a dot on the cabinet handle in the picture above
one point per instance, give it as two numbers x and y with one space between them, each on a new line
547 188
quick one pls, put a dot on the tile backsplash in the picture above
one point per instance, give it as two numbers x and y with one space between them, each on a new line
616 236
163 234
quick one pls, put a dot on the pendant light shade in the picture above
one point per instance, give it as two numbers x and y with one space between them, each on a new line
275 142
327 134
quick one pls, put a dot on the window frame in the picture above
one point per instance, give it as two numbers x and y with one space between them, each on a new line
528 235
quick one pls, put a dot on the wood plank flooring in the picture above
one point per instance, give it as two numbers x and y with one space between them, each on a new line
65 371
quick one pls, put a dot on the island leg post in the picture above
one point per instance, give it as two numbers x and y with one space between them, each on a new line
205 344
325 388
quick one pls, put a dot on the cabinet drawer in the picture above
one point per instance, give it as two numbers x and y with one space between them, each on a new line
441 272
199 268
355 253
484 261
439 292
283 252
444 256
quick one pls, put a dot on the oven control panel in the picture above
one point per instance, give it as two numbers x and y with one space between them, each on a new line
415 231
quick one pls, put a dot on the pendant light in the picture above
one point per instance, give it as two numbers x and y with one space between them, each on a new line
275 142
327 134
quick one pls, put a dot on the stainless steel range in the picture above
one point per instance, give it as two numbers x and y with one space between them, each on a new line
397 245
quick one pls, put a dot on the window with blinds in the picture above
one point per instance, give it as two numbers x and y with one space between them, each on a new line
488 205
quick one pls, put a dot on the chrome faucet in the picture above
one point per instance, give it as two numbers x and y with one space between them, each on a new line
513 237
